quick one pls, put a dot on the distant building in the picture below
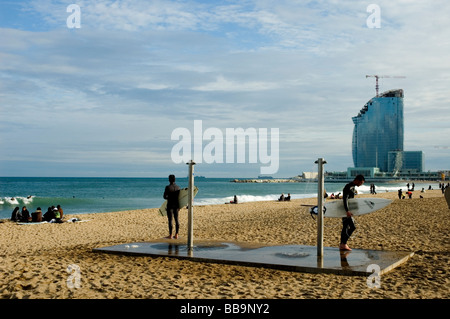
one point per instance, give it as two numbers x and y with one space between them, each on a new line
310 175
406 161
378 130
365 171
378 134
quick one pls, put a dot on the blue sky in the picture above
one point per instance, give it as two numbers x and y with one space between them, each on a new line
104 99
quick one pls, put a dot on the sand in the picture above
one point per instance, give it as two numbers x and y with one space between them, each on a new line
34 259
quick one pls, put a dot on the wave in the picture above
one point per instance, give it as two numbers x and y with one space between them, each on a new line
16 200
365 189
41 201
246 198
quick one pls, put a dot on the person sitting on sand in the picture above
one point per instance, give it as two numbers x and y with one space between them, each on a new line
25 215
288 197
60 210
36 216
57 215
15 216
49 215
234 201
281 198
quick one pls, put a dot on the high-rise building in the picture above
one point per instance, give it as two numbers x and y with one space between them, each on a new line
378 130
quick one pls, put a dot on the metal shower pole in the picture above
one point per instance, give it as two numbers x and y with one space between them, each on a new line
190 240
320 196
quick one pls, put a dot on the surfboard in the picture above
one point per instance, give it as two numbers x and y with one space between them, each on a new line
182 200
447 196
32 223
357 206
71 220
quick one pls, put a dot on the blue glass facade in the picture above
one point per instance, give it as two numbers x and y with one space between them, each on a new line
378 130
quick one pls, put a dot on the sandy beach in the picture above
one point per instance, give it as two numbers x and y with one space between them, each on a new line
34 258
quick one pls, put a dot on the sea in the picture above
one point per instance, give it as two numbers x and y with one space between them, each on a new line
85 195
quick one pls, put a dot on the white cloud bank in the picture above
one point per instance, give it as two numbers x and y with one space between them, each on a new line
137 70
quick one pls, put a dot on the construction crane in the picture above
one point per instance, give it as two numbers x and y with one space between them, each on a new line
382 76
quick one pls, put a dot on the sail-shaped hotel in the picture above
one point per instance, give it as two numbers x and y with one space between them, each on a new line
378 135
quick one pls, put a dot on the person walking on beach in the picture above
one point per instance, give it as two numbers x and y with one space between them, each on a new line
171 193
348 225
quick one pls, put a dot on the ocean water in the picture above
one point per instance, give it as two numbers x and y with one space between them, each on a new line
98 195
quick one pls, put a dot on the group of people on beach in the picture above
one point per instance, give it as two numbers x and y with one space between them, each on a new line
410 191
443 187
53 215
284 198
333 196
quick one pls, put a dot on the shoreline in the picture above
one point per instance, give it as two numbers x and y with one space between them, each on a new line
332 180
35 258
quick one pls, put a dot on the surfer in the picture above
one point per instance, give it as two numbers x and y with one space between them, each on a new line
171 193
348 225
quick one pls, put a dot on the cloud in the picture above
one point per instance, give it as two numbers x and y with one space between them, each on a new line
136 70
222 84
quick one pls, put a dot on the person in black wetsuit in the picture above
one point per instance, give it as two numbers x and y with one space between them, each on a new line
348 225
171 193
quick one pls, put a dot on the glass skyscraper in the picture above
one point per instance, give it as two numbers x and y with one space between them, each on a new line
378 130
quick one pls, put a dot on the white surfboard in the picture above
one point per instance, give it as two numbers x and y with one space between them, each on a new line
357 206
182 200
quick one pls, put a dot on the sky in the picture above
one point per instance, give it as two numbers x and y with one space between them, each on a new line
134 88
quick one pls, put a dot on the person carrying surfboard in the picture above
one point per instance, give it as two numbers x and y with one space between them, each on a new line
348 225
171 193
